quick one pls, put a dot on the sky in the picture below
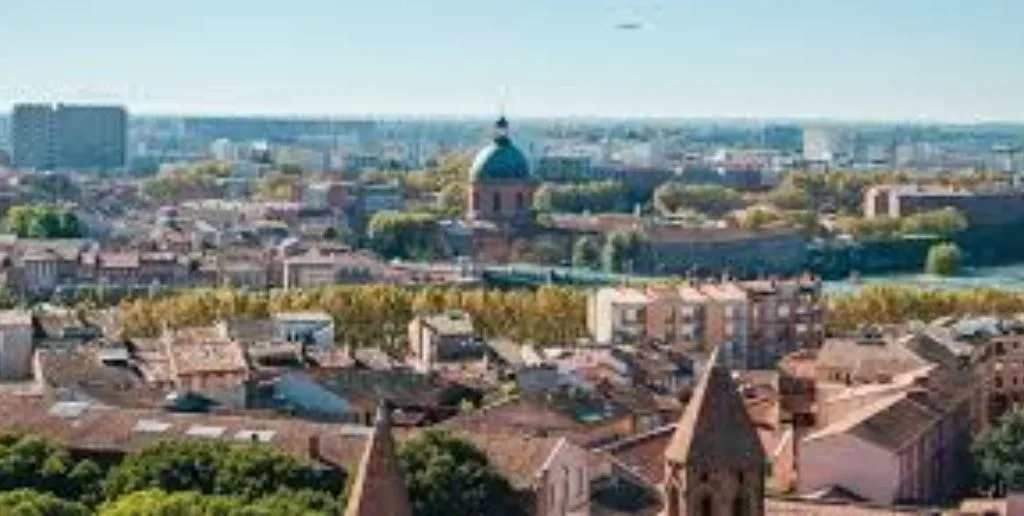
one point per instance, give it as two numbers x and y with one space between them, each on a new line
941 60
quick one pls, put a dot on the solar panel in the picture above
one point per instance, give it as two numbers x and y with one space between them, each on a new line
151 426
69 409
210 432
263 436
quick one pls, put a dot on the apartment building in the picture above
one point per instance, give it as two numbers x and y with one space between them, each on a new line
65 136
756 323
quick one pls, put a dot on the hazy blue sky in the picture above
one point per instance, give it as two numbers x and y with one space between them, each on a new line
863 59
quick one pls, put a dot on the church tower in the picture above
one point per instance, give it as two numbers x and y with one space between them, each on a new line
715 465
378 488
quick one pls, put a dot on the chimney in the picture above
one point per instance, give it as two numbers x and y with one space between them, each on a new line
313 447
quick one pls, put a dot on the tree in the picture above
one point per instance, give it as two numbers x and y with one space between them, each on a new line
711 200
451 200
245 471
444 473
595 197
943 259
32 462
999 455
154 502
42 221
585 253
622 249
26 502
945 222
396 234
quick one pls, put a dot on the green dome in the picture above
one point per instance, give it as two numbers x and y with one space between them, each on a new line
500 161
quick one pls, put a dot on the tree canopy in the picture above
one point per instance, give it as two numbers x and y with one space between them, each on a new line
999 455
42 221
943 259
712 200
621 251
586 253
245 471
594 197
445 473
407 235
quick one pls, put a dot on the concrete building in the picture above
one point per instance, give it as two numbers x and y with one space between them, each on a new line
33 137
980 207
91 137
757 322
65 136
15 345
907 447
442 338
312 328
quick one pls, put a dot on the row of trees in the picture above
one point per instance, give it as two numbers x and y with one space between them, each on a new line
185 183
944 222
619 253
711 200
897 304
443 473
597 197
42 221
374 315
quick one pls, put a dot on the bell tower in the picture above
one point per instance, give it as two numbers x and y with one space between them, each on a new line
715 465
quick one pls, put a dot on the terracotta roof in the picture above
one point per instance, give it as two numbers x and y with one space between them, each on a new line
378 488
81 371
89 427
715 427
119 260
896 421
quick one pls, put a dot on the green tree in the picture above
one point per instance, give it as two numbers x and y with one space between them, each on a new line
594 197
711 200
153 502
444 473
945 222
999 455
32 462
943 259
451 200
622 249
585 253
396 234
42 221
245 471
26 502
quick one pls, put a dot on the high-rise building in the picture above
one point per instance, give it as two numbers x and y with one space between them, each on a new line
33 137
91 136
66 136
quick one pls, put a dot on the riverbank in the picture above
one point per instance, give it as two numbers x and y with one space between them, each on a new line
1001 277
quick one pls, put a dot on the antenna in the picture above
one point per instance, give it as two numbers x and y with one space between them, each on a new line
502 100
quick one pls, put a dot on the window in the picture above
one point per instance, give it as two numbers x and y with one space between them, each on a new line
705 506
497 202
520 202
738 507
999 382
476 202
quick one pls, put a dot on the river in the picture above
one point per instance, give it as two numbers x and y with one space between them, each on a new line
1005 277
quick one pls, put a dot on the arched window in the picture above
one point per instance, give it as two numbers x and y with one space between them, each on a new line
739 507
706 508
497 202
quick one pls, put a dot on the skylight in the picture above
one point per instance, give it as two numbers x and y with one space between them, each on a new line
209 432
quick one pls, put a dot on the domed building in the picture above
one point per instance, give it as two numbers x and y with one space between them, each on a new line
500 185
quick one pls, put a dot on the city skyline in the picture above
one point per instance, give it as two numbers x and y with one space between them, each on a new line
742 59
